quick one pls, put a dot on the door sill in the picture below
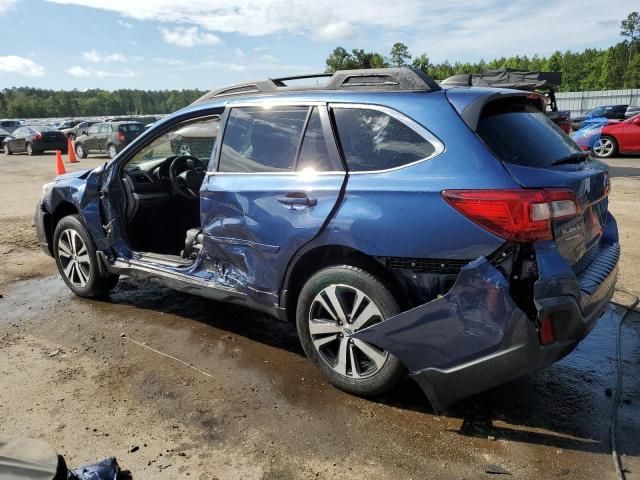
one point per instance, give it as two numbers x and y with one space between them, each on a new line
163 259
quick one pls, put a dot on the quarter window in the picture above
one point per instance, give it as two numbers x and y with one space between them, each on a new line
373 140
258 139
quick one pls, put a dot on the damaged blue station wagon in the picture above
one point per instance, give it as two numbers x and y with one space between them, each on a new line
452 234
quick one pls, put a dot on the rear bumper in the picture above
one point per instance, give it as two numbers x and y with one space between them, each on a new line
475 337
48 146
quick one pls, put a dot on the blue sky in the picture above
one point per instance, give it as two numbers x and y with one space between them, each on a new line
161 44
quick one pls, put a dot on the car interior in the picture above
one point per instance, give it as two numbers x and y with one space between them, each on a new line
162 183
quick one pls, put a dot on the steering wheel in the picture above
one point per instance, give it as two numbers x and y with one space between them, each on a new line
186 173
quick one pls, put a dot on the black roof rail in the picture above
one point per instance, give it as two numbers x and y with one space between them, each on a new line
374 79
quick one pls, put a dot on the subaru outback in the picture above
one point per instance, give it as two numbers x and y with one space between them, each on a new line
455 235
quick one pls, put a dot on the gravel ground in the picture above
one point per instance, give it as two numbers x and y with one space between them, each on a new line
246 404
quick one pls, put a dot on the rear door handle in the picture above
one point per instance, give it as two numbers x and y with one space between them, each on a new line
298 199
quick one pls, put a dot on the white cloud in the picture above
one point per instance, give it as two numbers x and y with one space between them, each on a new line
82 72
466 29
97 57
334 31
124 24
188 37
239 52
5 5
21 65
79 72
268 58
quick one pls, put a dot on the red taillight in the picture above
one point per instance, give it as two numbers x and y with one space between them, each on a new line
519 215
37 138
546 333
120 137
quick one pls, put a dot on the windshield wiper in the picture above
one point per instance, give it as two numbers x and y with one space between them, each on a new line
576 157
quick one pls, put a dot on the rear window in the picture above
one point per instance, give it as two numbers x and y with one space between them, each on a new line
518 132
131 127
45 129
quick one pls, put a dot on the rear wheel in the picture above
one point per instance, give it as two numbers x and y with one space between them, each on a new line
80 151
77 260
7 150
335 303
605 147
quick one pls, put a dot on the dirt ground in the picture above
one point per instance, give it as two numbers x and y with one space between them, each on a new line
238 399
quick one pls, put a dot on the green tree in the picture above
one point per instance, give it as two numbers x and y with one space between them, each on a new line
630 28
400 55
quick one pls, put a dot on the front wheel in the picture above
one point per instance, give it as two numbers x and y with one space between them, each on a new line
335 303
77 260
605 147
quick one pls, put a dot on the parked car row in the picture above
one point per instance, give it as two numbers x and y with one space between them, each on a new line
607 139
103 137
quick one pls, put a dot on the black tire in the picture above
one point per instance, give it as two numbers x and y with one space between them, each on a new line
7 150
112 150
611 147
95 285
349 276
80 151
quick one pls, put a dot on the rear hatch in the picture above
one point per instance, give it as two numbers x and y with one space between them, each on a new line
128 131
538 154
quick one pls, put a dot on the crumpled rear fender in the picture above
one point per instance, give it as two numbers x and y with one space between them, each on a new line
469 321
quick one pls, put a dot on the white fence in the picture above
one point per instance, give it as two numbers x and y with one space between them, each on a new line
581 102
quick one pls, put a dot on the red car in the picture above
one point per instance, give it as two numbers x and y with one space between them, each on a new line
607 139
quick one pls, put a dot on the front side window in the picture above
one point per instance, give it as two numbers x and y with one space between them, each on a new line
259 139
373 140
195 138
93 130
105 128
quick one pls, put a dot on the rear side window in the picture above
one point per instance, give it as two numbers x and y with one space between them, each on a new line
258 139
373 140
518 132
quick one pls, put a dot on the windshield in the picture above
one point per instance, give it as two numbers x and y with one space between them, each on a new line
518 132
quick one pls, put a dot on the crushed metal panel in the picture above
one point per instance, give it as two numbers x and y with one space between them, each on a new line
471 320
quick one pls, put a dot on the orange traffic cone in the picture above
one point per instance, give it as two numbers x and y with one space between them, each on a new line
59 165
72 153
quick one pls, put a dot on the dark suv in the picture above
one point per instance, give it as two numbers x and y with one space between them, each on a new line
107 137
455 234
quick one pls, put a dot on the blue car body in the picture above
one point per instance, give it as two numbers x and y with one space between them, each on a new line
468 323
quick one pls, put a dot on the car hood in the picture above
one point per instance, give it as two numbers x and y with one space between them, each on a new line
82 174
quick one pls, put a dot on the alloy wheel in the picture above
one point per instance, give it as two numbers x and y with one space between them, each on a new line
29 149
112 151
603 147
74 258
336 313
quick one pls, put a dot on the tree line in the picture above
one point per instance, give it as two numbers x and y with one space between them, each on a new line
592 69
25 102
